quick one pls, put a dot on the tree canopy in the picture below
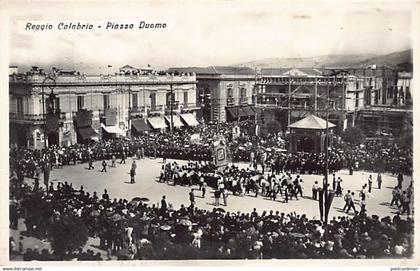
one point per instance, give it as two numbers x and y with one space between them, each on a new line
354 136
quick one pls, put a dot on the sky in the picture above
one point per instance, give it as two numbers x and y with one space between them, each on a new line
203 33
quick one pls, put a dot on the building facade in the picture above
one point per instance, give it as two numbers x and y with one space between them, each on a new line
287 95
375 99
94 106
387 107
224 93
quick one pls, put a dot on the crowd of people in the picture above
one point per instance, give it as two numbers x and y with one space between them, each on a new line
233 180
268 150
135 230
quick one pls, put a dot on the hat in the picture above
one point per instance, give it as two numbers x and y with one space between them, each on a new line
165 227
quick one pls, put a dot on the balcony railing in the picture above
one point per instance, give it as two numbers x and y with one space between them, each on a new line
295 81
156 108
26 117
243 100
189 106
105 79
35 117
138 109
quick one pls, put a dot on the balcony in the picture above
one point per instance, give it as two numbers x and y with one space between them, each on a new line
115 79
243 100
34 118
26 117
138 110
285 81
189 106
156 109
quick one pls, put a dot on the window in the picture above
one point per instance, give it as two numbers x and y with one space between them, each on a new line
357 100
185 97
390 93
106 101
57 105
243 92
243 95
229 96
19 105
80 102
153 101
134 102
168 98
230 92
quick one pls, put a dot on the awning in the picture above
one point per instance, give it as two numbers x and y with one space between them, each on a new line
235 111
176 119
189 119
248 111
87 132
157 122
112 129
140 125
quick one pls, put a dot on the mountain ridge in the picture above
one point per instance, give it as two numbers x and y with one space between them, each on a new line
336 60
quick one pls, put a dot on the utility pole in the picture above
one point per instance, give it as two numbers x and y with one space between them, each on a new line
43 105
326 154
343 106
129 111
239 102
316 96
288 101
171 104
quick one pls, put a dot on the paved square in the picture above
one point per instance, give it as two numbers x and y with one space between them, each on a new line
117 182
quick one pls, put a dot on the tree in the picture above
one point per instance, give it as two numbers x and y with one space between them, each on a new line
354 136
273 127
68 234
405 140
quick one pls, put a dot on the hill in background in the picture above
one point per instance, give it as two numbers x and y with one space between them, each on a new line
402 59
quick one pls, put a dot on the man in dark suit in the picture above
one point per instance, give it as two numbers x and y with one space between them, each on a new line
103 166
90 163
123 157
163 204
132 175
192 197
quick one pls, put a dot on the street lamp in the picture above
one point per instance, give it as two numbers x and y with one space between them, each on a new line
51 87
129 111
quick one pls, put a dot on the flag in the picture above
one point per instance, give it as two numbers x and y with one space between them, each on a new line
329 200
321 203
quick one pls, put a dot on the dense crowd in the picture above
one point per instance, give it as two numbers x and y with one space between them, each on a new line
268 150
135 230
233 180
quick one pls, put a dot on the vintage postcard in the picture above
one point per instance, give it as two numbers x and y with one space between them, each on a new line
208 133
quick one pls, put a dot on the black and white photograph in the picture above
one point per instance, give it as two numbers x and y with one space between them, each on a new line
215 130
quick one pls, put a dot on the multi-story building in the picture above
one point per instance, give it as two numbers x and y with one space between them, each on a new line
85 107
225 93
374 99
290 94
387 102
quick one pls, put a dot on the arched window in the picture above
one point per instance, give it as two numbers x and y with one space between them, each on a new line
243 98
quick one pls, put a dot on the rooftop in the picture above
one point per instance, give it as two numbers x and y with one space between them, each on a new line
311 122
214 70
292 71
